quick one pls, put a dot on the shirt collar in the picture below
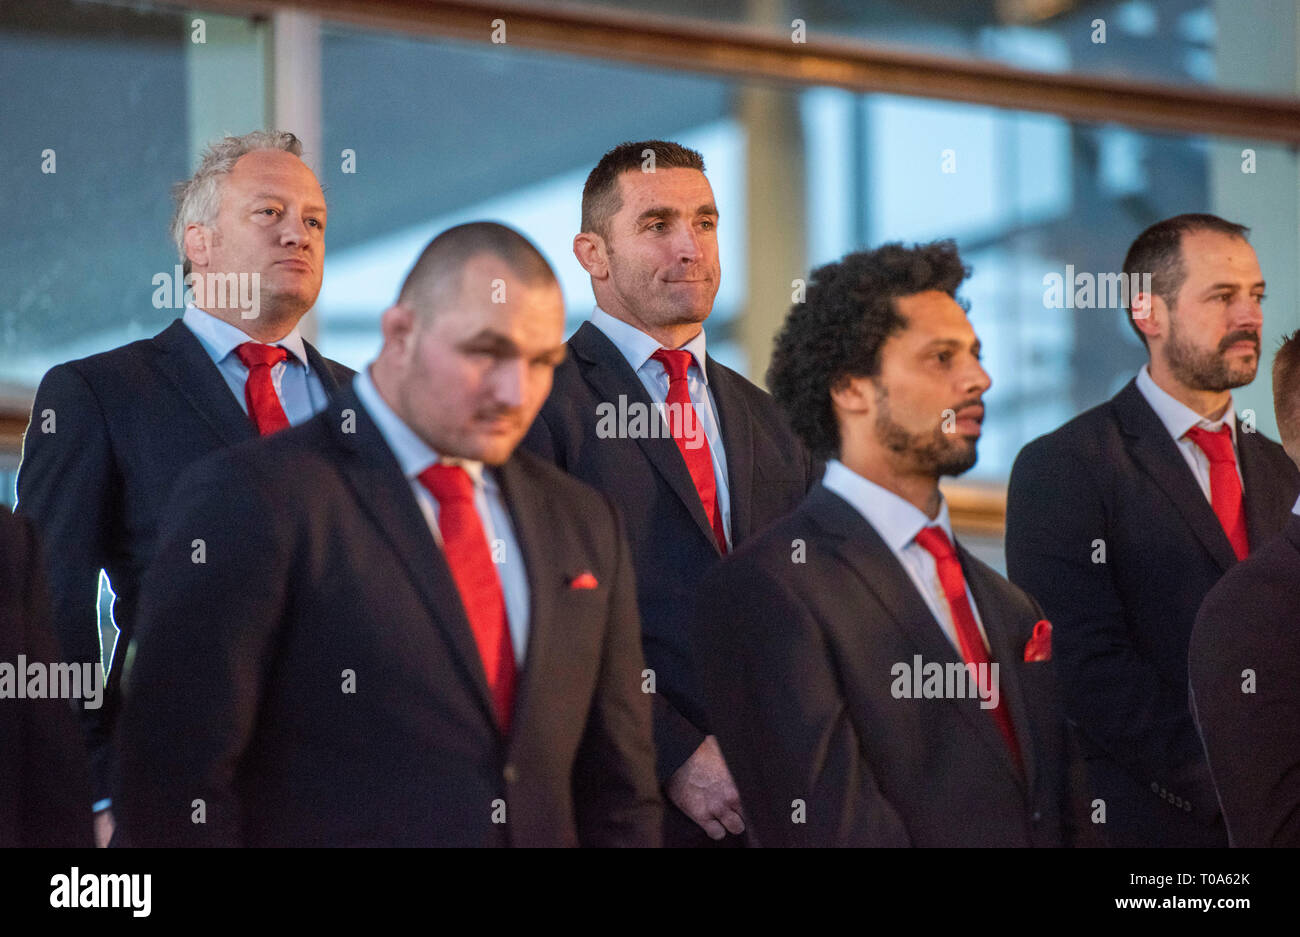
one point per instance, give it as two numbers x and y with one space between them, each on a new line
638 347
220 338
896 519
413 454
1176 416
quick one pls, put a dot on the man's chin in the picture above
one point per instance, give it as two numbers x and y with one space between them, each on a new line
960 461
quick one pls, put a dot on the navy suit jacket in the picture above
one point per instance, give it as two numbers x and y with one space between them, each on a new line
1244 667
109 434
800 633
1113 480
315 681
768 471
43 772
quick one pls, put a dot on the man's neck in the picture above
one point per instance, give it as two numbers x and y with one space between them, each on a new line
1211 404
669 336
265 329
921 491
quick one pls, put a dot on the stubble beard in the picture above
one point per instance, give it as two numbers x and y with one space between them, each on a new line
935 453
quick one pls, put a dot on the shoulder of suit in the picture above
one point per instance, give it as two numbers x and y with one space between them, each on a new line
110 365
1264 580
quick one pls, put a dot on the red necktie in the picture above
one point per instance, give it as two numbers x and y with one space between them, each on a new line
698 461
936 542
259 390
1225 484
465 545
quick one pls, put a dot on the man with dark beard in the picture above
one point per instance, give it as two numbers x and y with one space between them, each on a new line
1123 519
869 681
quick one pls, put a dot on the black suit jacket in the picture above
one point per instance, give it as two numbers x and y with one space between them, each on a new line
1113 479
1244 665
799 635
44 780
768 473
321 568
109 435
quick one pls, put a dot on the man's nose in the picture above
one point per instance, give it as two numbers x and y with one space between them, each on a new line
509 381
294 229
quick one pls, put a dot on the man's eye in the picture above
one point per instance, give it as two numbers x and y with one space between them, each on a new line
269 211
944 357
708 225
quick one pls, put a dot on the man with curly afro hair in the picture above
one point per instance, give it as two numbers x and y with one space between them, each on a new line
870 682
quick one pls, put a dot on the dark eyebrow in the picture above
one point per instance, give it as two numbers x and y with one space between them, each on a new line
663 211
495 341
1214 288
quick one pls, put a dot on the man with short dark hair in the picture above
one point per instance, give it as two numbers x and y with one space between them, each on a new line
870 682
697 458
400 631
1244 664
110 433
1120 522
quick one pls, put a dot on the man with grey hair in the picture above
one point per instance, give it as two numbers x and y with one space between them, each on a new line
110 433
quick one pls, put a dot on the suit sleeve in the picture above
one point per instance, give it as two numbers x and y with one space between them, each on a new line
781 718
54 798
615 794
66 486
210 611
1116 697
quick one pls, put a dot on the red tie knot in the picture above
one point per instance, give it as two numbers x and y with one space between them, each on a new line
447 483
676 362
936 543
255 354
1216 445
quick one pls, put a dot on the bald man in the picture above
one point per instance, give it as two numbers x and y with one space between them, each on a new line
401 632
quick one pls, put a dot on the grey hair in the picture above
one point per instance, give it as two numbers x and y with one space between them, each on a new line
199 197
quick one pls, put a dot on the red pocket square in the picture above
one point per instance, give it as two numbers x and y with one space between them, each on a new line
584 580
1039 646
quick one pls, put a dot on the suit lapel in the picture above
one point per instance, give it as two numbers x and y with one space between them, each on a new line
536 541
1265 500
611 377
735 423
187 365
863 550
385 495
320 367
1004 649
1155 450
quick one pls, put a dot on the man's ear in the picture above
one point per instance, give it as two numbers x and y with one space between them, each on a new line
589 248
853 394
1150 315
397 325
198 244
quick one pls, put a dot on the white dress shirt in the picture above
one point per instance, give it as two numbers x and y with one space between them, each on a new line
414 455
301 393
898 521
1178 418
637 348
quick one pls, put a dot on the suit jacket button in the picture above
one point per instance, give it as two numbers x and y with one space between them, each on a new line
510 773
1037 817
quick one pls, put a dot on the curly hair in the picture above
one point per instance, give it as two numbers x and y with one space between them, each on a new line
838 330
